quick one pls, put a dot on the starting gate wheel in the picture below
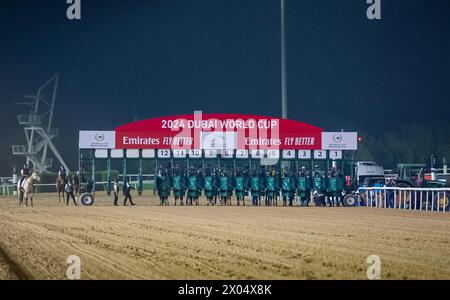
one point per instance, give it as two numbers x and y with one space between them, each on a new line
87 199
350 200
442 201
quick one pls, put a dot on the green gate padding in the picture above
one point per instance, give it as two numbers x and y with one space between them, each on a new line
255 186
163 186
341 183
209 189
177 183
230 187
302 184
223 183
270 184
239 186
337 184
192 186
177 186
208 183
286 184
303 187
333 184
192 183
319 184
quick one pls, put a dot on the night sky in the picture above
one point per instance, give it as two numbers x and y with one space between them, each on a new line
142 59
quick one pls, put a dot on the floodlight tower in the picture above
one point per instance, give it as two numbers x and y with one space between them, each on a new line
284 109
37 124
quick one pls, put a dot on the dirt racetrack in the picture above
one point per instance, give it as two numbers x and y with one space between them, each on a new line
152 242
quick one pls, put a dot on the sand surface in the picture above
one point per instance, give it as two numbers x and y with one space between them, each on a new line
152 242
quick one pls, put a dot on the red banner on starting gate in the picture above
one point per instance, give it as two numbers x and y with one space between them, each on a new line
218 131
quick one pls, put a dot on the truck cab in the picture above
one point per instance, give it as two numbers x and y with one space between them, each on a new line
413 175
365 171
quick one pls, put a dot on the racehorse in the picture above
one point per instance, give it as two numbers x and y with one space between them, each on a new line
60 185
25 191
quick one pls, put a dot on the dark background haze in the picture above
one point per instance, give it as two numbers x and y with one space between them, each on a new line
143 59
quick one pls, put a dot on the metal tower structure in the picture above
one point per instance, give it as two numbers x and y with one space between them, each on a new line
38 128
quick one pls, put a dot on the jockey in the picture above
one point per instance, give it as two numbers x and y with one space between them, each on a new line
25 173
62 173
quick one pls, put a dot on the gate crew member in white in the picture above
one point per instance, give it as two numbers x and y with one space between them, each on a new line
116 191
127 192
69 193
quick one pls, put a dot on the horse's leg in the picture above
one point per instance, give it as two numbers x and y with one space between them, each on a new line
31 200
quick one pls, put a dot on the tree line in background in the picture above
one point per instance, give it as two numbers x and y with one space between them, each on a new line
405 144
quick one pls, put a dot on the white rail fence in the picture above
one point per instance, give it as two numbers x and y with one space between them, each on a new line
423 199
419 199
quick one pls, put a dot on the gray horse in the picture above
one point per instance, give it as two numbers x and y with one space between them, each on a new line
26 193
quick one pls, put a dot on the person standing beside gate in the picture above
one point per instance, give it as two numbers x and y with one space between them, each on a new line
127 192
390 193
69 192
116 190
